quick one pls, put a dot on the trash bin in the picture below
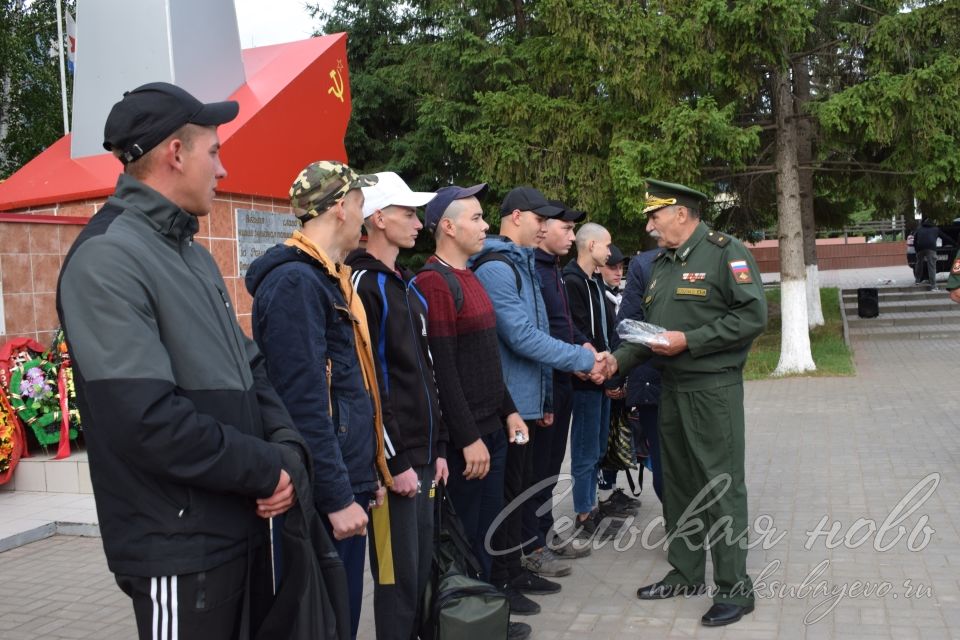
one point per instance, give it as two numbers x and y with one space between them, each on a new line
868 302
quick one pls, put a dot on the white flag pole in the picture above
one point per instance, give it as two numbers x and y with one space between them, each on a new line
63 71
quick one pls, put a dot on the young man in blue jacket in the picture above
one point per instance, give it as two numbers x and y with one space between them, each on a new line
528 354
416 435
313 332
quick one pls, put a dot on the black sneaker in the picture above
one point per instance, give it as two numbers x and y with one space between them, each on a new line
597 526
520 605
617 506
619 496
529 582
569 549
518 631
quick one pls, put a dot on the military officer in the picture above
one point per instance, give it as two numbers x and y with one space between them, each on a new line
705 289
953 282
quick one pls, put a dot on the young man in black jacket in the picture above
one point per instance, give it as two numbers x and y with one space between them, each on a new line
416 436
643 383
181 423
591 407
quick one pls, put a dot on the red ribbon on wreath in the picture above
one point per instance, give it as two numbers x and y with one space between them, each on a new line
7 353
63 448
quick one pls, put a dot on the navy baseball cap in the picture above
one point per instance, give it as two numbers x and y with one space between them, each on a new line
568 215
616 256
435 209
529 199
148 114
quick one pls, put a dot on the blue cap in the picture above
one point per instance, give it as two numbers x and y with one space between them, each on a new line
445 195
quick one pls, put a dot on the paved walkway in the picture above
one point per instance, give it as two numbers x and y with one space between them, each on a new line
840 449
900 275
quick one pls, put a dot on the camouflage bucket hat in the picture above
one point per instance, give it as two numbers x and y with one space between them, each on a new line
321 184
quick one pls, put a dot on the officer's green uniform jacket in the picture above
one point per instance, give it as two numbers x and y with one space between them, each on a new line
710 289
953 282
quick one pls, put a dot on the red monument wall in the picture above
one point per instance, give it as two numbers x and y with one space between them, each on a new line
839 256
31 254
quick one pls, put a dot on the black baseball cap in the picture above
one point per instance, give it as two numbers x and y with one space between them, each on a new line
616 256
435 209
529 199
148 114
568 215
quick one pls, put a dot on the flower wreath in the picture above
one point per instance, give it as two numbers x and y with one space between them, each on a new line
38 383
35 397
11 444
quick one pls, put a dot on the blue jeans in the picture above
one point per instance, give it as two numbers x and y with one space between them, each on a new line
588 443
352 552
478 502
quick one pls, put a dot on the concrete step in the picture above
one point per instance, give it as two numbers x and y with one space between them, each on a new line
40 472
901 296
882 290
944 306
905 319
918 332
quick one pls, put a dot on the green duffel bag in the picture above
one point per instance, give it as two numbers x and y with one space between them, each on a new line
469 609
457 604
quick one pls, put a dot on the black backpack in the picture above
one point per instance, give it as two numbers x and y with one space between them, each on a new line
455 289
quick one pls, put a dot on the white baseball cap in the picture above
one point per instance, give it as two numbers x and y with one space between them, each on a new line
392 190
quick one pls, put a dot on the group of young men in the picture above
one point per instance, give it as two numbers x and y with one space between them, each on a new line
366 386
473 359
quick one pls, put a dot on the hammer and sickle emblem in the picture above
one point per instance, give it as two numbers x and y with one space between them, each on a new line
337 88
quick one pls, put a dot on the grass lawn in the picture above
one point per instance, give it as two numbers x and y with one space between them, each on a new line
830 352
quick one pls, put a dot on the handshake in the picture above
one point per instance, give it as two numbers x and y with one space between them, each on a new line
604 368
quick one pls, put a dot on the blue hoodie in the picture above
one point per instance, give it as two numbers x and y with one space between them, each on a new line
528 352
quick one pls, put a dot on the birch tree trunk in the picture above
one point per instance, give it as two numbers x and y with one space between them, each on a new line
795 354
805 133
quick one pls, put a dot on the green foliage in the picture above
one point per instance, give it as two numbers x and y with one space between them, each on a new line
585 98
899 117
30 104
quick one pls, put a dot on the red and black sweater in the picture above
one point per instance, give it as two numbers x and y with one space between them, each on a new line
466 356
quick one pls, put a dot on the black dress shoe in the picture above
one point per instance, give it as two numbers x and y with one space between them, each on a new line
662 591
723 613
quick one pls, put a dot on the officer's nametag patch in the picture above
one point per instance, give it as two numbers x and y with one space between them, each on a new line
741 272
693 277
956 267
695 292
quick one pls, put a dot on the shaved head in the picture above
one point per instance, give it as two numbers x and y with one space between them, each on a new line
590 231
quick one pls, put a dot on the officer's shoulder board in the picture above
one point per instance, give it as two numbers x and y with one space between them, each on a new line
717 238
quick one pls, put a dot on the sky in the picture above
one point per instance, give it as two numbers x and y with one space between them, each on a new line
265 22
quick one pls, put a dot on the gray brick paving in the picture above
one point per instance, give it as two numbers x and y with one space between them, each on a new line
844 449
